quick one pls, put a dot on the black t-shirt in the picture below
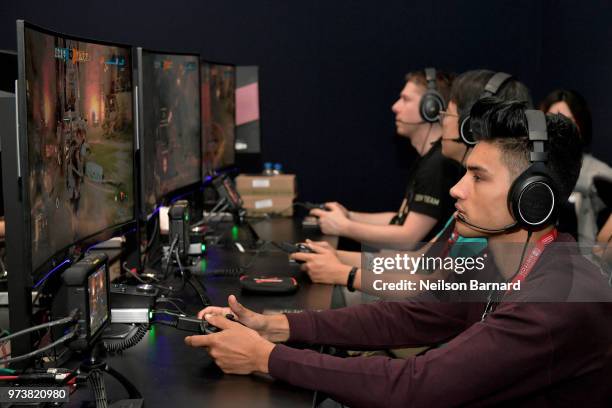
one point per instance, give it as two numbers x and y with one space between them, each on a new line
428 192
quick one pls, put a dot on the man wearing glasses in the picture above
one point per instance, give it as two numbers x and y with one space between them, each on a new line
427 204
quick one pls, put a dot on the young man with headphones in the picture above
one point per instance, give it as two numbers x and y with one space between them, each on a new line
513 349
427 204
327 265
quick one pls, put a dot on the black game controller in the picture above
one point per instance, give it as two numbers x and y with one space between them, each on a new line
312 206
293 248
207 328
290 248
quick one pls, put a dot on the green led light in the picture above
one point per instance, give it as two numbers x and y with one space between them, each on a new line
150 315
152 334
235 232
203 247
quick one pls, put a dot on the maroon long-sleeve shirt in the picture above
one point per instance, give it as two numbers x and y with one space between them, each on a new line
527 354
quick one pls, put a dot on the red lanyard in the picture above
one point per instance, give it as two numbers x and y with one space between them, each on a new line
454 236
526 267
533 257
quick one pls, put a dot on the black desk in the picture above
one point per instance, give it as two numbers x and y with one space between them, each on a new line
170 374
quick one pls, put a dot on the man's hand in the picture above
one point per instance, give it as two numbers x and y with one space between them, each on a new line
333 221
273 328
323 266
335 204
236 349
322 245
243 315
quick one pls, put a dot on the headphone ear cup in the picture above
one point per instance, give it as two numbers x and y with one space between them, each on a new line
430 106
532 199
465 131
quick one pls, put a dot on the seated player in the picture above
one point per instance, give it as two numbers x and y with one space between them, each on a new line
334 267
510 350
588 205
427 205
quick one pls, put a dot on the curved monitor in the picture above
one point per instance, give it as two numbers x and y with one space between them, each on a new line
218 115
170 131
76 140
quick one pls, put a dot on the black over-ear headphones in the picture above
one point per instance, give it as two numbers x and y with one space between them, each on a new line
491 88
533 197
431 101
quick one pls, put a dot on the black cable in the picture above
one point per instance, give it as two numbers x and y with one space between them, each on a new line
493 299
34 353
165 323
132 273
167 300
178 261
153 236
229 272
133 338
170 251
258 252
522 256
201 294
47 325
96 381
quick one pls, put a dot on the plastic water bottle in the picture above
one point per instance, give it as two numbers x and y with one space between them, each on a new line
278 169
267 171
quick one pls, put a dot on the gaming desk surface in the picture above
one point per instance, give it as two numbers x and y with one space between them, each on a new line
170 374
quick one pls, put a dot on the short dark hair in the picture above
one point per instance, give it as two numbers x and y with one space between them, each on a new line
579 108
469 86
504 124
444 81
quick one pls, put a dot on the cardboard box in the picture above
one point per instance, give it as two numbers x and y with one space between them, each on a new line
281 204
282 184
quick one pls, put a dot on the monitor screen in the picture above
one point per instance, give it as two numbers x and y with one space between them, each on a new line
80 148
218 115
171 124
98 300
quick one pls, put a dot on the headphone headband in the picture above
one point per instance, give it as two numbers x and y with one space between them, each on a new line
430 77
491 88
536 124
495 83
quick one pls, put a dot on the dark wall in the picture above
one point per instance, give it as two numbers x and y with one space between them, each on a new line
330 70
576 43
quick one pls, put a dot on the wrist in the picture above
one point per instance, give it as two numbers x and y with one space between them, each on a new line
345 227
263 356
276 328
342 276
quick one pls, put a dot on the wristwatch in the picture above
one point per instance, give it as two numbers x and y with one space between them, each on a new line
351 279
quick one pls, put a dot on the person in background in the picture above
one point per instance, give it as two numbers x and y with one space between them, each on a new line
427 204
588 205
